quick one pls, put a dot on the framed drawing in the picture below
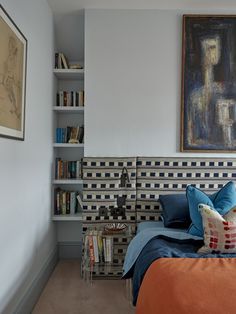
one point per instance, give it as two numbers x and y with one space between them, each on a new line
208 109
13 53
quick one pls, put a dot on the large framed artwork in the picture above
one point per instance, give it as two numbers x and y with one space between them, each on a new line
13 54
208 109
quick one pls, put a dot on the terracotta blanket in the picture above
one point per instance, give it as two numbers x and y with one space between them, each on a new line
189 286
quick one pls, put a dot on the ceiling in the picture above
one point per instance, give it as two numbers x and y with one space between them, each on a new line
68 6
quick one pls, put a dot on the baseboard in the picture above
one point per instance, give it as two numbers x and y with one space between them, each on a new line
69 250
29 299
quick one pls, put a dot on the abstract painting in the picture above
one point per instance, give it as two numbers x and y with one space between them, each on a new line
13 51
208 109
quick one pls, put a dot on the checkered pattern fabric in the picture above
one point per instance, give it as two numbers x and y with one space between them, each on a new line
101 177
166 175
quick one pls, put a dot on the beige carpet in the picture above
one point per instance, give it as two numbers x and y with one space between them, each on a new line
67 293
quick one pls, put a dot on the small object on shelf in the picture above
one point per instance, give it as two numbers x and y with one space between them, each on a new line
74 135
75 66
61 61
79 199
103 211
115 227
118 211
64 61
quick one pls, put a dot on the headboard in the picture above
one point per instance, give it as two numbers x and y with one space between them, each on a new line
167 175
101 177
149 177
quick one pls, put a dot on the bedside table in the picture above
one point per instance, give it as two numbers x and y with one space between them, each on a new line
104 253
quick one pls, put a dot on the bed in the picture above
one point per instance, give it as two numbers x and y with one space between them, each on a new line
170 277
177 271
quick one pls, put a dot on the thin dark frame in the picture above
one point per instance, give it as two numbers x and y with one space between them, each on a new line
24 78
182 149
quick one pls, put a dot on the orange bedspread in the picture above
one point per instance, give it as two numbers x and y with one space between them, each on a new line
189 286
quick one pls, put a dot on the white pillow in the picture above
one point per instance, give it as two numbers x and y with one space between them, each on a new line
219 231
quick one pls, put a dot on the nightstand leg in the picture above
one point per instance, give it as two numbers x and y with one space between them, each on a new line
128 288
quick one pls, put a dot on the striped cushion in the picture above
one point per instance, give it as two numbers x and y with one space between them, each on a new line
219 231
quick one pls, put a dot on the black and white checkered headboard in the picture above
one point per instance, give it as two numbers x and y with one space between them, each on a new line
149 178
162 175
101 177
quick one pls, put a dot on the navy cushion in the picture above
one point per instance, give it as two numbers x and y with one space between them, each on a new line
175 210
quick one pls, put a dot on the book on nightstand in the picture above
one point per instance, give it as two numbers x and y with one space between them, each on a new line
104 249
109 249
91 249
95 247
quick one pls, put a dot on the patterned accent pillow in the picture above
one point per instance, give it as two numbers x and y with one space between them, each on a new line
219 231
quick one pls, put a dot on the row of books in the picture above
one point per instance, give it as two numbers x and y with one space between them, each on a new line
61 62
65 169
70 134
67 202
70 99
98 247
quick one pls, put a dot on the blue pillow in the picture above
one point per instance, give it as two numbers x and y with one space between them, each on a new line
175 210
222 202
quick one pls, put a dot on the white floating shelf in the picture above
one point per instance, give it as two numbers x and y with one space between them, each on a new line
75 217
68 181
69 74
68 145
69 109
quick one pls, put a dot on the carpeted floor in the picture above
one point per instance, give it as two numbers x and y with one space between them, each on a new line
67 293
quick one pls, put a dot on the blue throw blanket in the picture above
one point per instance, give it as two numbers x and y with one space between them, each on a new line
164 246
147 231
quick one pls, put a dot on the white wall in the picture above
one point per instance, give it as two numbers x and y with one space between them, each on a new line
133 82
69 34
27 236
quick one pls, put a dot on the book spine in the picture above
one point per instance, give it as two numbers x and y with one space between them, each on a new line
59 61
62 135
56 60
57 168
109 249
74 99
77 99
91 250
77 169
100 247
79 200
72 170
57 202
64 98
81 98
61 98
64 203
59 135
56 138
71 99
72 202
95 246
81 134
57 99
68 131
104 249
67 203
60 172
64 61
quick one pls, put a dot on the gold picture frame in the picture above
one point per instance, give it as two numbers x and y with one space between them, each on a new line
13 58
